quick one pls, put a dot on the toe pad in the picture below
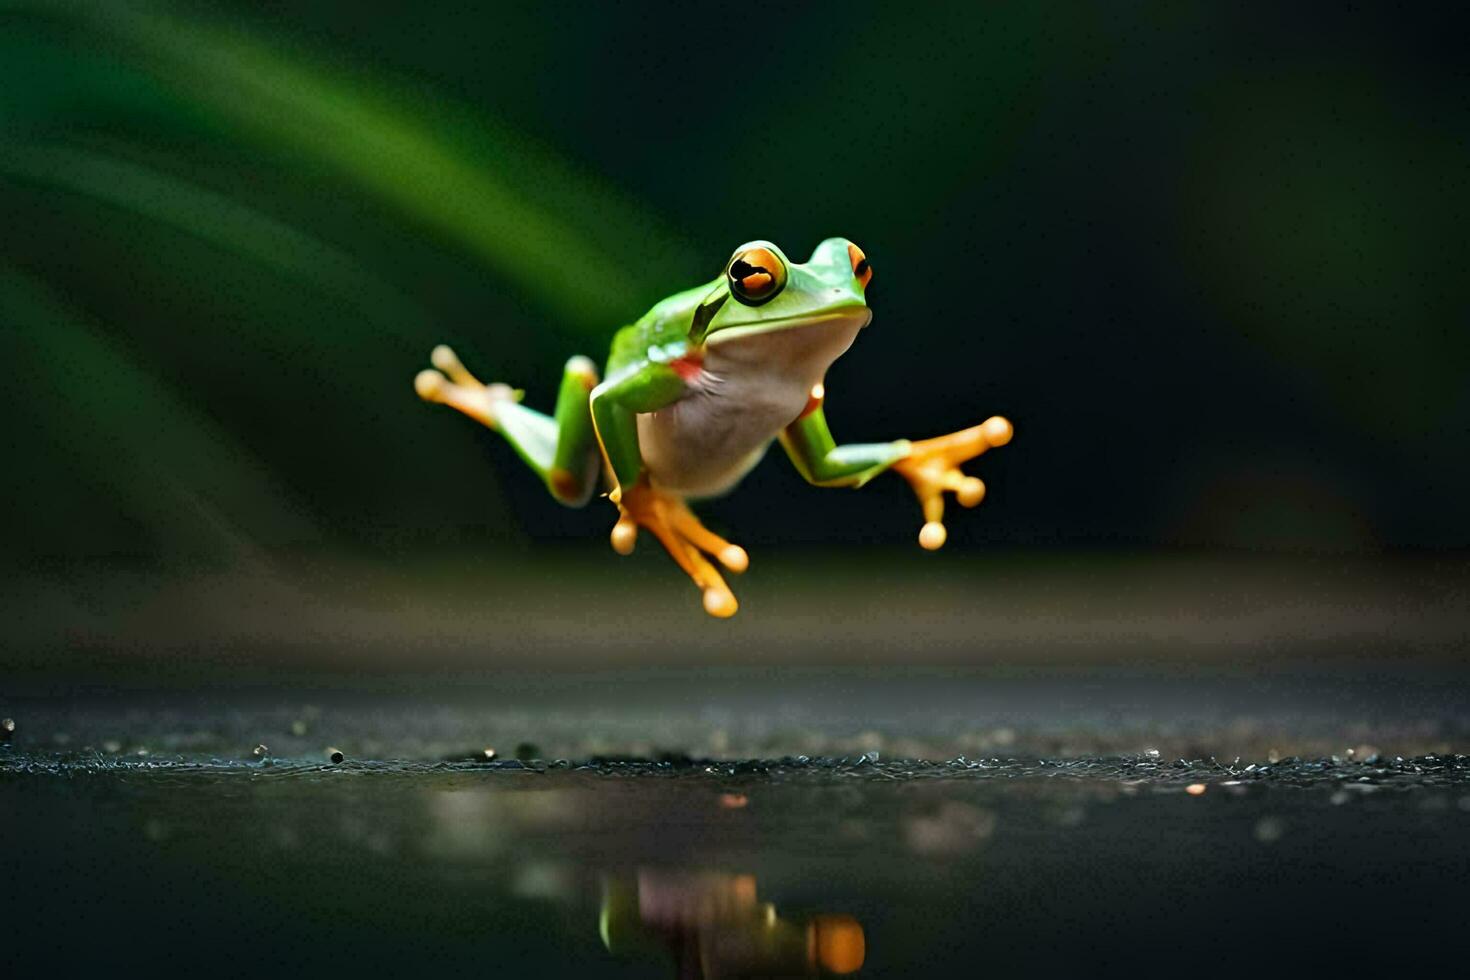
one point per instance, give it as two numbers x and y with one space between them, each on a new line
719 603
932 536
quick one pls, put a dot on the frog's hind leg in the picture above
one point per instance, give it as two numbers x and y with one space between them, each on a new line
562 449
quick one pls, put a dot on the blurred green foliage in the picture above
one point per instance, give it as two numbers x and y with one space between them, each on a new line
1206 258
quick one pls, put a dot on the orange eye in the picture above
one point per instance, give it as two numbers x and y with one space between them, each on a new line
860 267
756 275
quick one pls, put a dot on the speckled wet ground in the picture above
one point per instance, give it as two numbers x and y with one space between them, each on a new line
939 823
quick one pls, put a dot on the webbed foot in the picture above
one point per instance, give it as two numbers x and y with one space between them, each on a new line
685 539
460 389
932 467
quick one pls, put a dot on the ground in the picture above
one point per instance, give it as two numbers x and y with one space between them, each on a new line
1261 784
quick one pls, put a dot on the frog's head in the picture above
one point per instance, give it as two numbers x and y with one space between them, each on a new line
762 292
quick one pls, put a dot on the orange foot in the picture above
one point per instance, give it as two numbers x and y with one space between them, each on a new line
685 539
932 467
462 390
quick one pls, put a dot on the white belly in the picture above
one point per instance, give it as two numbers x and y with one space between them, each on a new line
749 390
704 443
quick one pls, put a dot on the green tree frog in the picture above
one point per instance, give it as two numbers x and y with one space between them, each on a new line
693 394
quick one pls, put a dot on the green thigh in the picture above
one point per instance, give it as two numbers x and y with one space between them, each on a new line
561 449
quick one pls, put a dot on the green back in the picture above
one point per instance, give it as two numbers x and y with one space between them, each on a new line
667 323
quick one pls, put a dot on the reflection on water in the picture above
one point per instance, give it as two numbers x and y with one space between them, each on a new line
375 869
714 925
707 923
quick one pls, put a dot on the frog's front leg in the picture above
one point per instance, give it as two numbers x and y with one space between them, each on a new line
641 503
931 466
684 538
560 448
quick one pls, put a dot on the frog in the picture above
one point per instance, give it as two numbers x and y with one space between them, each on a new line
692 395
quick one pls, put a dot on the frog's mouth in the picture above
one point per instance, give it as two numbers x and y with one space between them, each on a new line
854 318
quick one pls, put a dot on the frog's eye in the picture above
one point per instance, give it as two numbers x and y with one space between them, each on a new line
756 275
860 267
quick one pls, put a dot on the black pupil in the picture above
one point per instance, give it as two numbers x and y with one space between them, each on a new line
862 267
740 269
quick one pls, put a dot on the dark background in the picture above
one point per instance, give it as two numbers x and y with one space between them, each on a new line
1210 259
1197 664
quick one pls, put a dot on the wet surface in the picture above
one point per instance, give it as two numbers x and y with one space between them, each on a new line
143 830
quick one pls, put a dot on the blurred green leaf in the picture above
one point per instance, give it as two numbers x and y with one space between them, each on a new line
210 217
157 460
557 234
